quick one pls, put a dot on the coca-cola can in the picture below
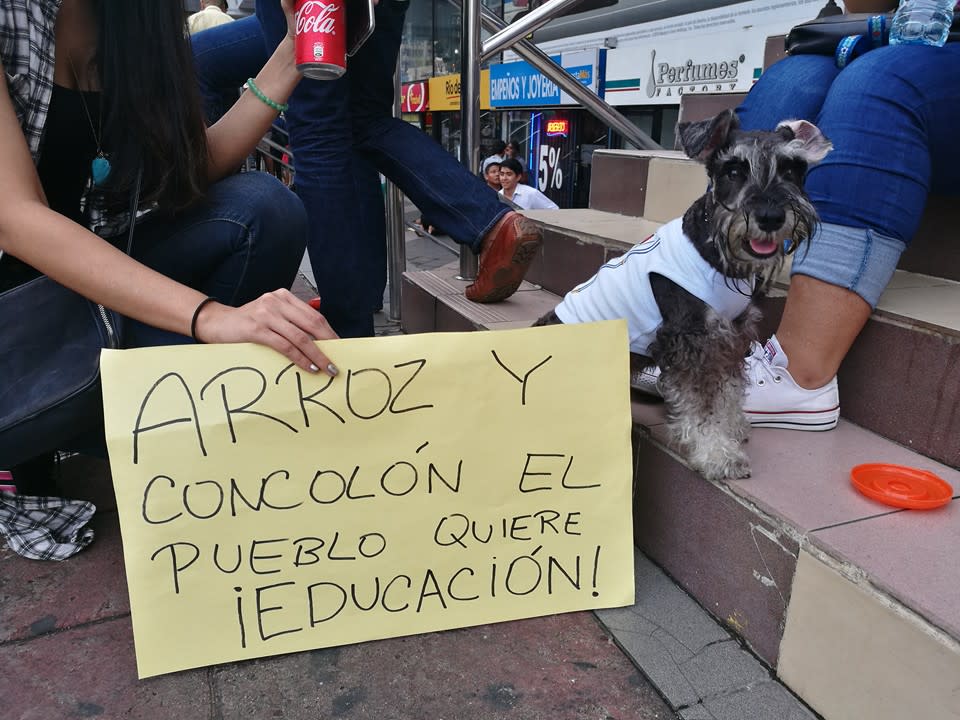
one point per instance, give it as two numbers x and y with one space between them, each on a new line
321 40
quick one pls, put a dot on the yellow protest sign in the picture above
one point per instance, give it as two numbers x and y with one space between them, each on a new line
440 481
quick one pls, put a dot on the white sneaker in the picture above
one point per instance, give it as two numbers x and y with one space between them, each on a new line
647 380
774 400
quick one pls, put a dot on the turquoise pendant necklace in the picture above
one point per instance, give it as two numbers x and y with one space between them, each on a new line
100 167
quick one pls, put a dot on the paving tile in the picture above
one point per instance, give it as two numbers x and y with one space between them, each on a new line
39 597
542 669
664 629
698 712
306 271
722 667
806 480
911 555
304 287
762 701
91 672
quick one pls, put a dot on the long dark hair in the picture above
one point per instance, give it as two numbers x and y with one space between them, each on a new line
153 116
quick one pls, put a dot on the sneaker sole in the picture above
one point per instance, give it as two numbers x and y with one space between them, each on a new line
810 421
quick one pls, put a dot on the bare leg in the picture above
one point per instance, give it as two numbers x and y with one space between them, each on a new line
819 324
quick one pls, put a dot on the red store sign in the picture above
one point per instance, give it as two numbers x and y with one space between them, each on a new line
414 97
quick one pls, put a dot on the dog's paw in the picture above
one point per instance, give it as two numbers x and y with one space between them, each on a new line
741 432
726 466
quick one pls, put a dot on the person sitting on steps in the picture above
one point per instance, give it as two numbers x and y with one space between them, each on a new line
892 115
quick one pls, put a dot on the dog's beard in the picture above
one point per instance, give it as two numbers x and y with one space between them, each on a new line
748 250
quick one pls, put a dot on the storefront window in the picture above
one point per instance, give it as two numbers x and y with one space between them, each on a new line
416 52
431 39
512 8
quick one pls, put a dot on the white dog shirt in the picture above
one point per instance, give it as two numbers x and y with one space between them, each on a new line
621 288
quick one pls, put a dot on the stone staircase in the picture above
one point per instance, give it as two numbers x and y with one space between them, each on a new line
854 605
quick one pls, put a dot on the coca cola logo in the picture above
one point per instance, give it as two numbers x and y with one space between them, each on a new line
317 17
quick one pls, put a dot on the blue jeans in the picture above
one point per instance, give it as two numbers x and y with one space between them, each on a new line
892 116
340 188
246 239
225 56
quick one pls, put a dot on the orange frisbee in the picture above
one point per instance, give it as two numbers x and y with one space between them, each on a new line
901 486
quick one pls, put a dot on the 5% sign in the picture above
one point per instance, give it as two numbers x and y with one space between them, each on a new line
549 174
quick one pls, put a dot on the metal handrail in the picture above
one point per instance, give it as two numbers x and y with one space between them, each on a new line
396 236
504 38
473 14
470 110
586 97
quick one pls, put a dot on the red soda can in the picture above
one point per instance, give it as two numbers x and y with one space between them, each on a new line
321 39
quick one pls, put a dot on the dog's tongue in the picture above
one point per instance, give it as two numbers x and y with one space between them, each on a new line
763 246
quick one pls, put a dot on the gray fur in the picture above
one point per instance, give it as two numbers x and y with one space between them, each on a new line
755 202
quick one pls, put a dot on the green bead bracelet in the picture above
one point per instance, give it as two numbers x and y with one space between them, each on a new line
252 85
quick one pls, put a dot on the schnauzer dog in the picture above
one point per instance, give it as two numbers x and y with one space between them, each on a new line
687 291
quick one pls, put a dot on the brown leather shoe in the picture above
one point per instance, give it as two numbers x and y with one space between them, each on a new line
505 256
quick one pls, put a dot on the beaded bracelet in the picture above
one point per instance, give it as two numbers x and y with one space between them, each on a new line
279 107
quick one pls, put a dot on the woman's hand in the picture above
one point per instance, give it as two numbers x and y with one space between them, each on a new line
287 6
278 320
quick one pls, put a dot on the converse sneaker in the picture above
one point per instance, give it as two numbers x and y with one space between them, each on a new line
774 400
646 380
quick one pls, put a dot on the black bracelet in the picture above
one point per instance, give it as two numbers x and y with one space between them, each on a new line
196 314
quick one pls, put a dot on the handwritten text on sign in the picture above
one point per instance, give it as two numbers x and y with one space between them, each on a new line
439 481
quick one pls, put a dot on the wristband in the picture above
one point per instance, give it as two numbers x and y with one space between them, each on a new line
279 107
196 314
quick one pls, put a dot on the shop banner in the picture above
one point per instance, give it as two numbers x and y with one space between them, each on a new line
439 481
445 92
519 84
414 97
713 51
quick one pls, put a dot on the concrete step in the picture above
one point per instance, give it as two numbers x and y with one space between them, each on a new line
854 603
805 570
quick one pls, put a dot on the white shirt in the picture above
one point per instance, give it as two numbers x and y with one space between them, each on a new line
209 17
529 198
621 288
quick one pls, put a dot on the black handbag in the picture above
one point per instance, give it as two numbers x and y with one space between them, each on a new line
50 363
847 36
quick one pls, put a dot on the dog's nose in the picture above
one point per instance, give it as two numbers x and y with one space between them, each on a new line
770 217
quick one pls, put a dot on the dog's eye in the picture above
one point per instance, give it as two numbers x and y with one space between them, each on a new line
792 171
734 172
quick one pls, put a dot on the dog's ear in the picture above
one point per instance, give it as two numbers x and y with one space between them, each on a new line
807 138
700 140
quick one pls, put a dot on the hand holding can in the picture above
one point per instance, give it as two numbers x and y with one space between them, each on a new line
320 42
